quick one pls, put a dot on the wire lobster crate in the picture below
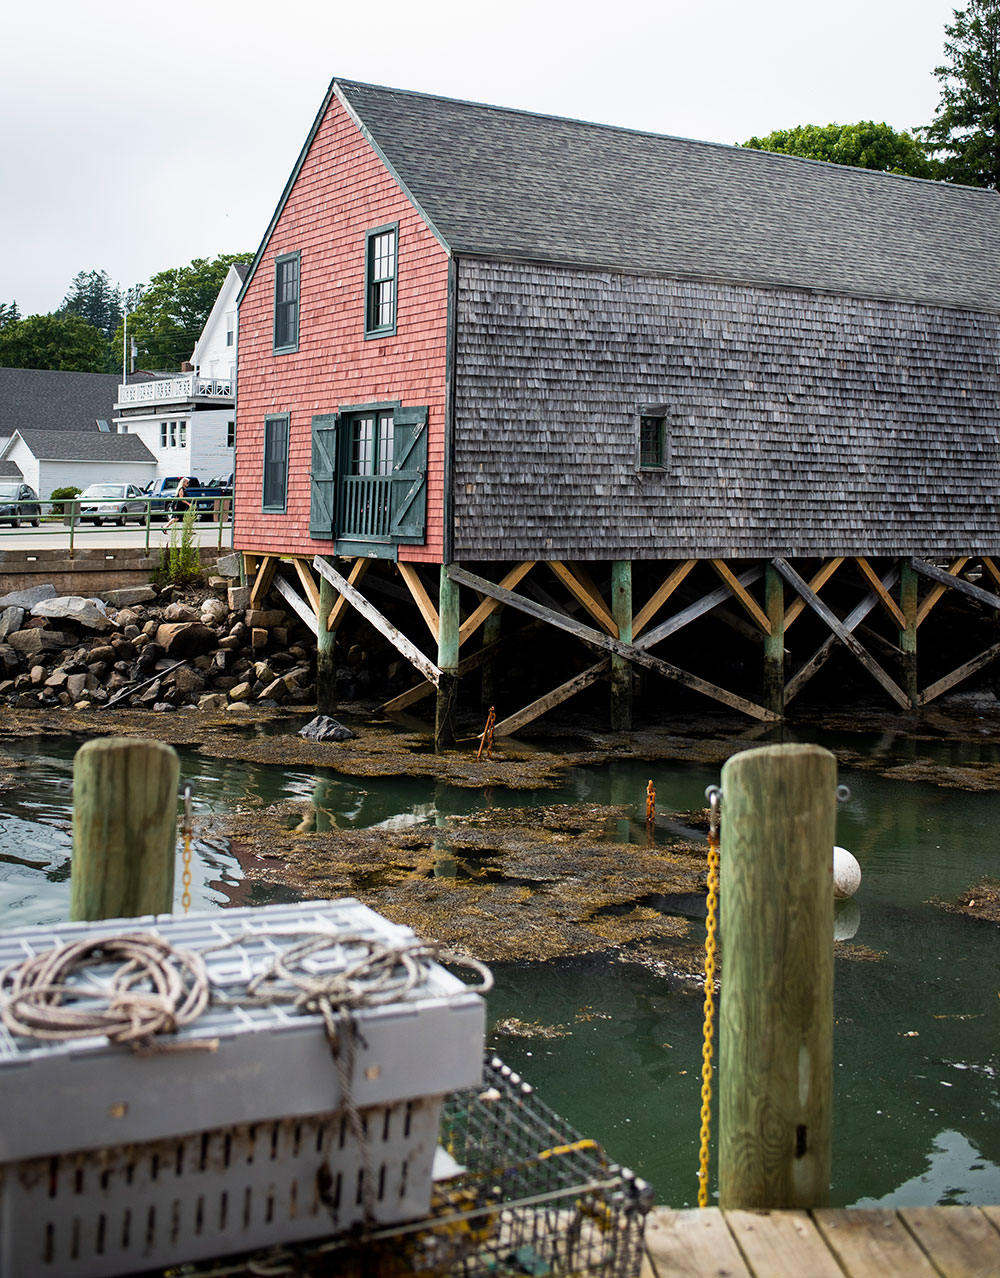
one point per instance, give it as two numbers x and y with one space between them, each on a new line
517 1192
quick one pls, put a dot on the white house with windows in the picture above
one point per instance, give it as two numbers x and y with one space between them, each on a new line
187 420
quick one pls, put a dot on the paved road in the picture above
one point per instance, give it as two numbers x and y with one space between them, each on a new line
57 536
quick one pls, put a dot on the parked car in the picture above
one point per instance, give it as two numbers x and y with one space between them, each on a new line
18 501
225 482
120 502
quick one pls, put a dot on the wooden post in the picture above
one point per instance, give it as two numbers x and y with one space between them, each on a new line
447 694
908 635
774 643
776 1009
124 828
326 643
621 669
491 635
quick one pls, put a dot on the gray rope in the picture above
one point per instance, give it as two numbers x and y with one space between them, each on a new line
155 990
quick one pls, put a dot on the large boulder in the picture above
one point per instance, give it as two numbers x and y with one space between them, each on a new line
84 612
128 596
11 619
180 612
185 638
323 728
38 640
28 598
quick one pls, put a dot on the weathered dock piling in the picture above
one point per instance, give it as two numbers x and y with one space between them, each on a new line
776 1008
124 828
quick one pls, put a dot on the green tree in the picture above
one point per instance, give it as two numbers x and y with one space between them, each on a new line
8 313
865 145
168 319
93 297
966 129
64 342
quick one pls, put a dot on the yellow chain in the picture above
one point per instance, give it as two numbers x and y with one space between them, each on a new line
186 876
712 902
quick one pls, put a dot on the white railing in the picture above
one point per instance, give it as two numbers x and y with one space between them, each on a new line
185 386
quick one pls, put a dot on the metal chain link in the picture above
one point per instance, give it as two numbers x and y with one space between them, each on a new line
186 876
712 902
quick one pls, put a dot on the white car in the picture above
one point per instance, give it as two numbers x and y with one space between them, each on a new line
120 502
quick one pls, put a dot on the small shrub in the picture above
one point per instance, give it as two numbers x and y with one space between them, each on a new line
180 564
59 495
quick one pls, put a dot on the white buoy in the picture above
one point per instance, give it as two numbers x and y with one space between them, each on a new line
846 873
846 920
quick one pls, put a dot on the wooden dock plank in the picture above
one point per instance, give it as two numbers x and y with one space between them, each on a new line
691 1244
777 1244
960 1240
870 1242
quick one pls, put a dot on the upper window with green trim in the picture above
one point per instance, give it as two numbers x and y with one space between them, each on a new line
380 280
275 462
286 303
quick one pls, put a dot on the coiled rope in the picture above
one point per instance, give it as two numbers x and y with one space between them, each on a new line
155 990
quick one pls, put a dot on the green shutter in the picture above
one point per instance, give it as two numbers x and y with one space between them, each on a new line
409 475
323 475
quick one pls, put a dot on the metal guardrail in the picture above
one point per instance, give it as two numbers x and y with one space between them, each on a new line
57 518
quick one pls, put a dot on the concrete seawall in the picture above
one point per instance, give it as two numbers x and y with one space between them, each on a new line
86 571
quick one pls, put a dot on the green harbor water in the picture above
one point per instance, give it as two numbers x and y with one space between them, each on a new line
916 1046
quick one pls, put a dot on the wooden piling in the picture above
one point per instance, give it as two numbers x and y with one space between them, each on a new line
449 622
491 636
326 642
774 643
776 1008
124 828
908 634
621 668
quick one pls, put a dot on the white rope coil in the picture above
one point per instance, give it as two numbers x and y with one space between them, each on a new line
378 973
155 990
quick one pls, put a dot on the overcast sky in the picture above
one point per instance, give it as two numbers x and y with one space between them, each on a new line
136 136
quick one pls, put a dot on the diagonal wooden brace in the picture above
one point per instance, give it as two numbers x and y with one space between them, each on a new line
843 634
385 627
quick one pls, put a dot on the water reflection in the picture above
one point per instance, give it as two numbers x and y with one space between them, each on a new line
916 1057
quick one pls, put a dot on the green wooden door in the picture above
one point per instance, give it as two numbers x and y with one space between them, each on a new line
409 475
323 475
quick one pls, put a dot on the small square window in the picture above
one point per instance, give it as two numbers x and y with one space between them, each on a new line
230 434
652 443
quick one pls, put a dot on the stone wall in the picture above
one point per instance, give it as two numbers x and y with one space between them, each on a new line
85 572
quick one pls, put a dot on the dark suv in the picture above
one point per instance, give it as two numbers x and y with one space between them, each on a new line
17 502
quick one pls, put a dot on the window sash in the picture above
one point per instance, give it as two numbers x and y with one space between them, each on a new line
371 444
651 449
275 462
286 302
380 270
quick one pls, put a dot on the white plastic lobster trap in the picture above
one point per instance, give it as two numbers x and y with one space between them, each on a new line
240 1135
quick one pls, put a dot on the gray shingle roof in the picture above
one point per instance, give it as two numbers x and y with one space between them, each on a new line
51 400
501 183
85 445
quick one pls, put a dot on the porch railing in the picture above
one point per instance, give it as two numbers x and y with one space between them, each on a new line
365 507
187 386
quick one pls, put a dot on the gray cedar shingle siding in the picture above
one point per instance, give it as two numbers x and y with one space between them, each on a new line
800 424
